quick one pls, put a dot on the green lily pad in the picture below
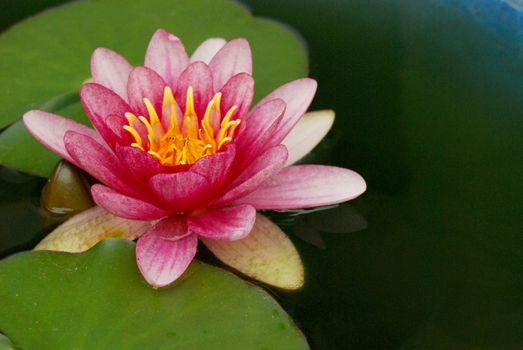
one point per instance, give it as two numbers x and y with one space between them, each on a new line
42 61
20 150
99 300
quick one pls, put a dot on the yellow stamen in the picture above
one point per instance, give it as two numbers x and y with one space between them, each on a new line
136 145
225 125
189 104
224 141
193 139
217 100
155 155
131 119
168 101
150 132
153 116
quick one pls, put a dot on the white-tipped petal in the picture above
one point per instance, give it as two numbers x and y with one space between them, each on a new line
307 134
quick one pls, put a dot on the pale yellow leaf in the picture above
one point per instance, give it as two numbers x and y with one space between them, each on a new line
266 254
84 230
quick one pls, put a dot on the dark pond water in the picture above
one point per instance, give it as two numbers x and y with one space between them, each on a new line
429 101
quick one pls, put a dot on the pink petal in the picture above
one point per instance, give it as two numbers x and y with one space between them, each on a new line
305 186
297 95
182 192
229 223
115 123
206 51
260 126
306 135
139 164
233 58
164 252
110 70
166 56
215 168
262 118
255 174
99 103
238 91
145 83
97 161
199 76
124 206
49 129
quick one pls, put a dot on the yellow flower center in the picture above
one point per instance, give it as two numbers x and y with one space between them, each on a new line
186 139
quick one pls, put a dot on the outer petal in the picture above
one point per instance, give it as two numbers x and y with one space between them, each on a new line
297 95
182 192
306 135
206 51
144 82
110 70
49 129
261 125
229 223
100 103
166 56
305 186
97 161
124 206
84 230
233 58
266 254
238 91
164 252
255 174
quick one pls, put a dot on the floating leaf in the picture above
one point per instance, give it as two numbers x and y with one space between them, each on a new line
20 150
99 300
84 230
41 62
266 254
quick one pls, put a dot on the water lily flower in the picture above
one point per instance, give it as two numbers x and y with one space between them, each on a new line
176 143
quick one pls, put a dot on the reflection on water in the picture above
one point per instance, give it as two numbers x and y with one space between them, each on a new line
429 103
308 224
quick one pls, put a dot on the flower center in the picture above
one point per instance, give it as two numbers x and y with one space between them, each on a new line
175 139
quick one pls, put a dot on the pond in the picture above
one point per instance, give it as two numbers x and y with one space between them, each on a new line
429 110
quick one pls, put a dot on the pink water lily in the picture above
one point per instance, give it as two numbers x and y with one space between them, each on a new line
176 142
